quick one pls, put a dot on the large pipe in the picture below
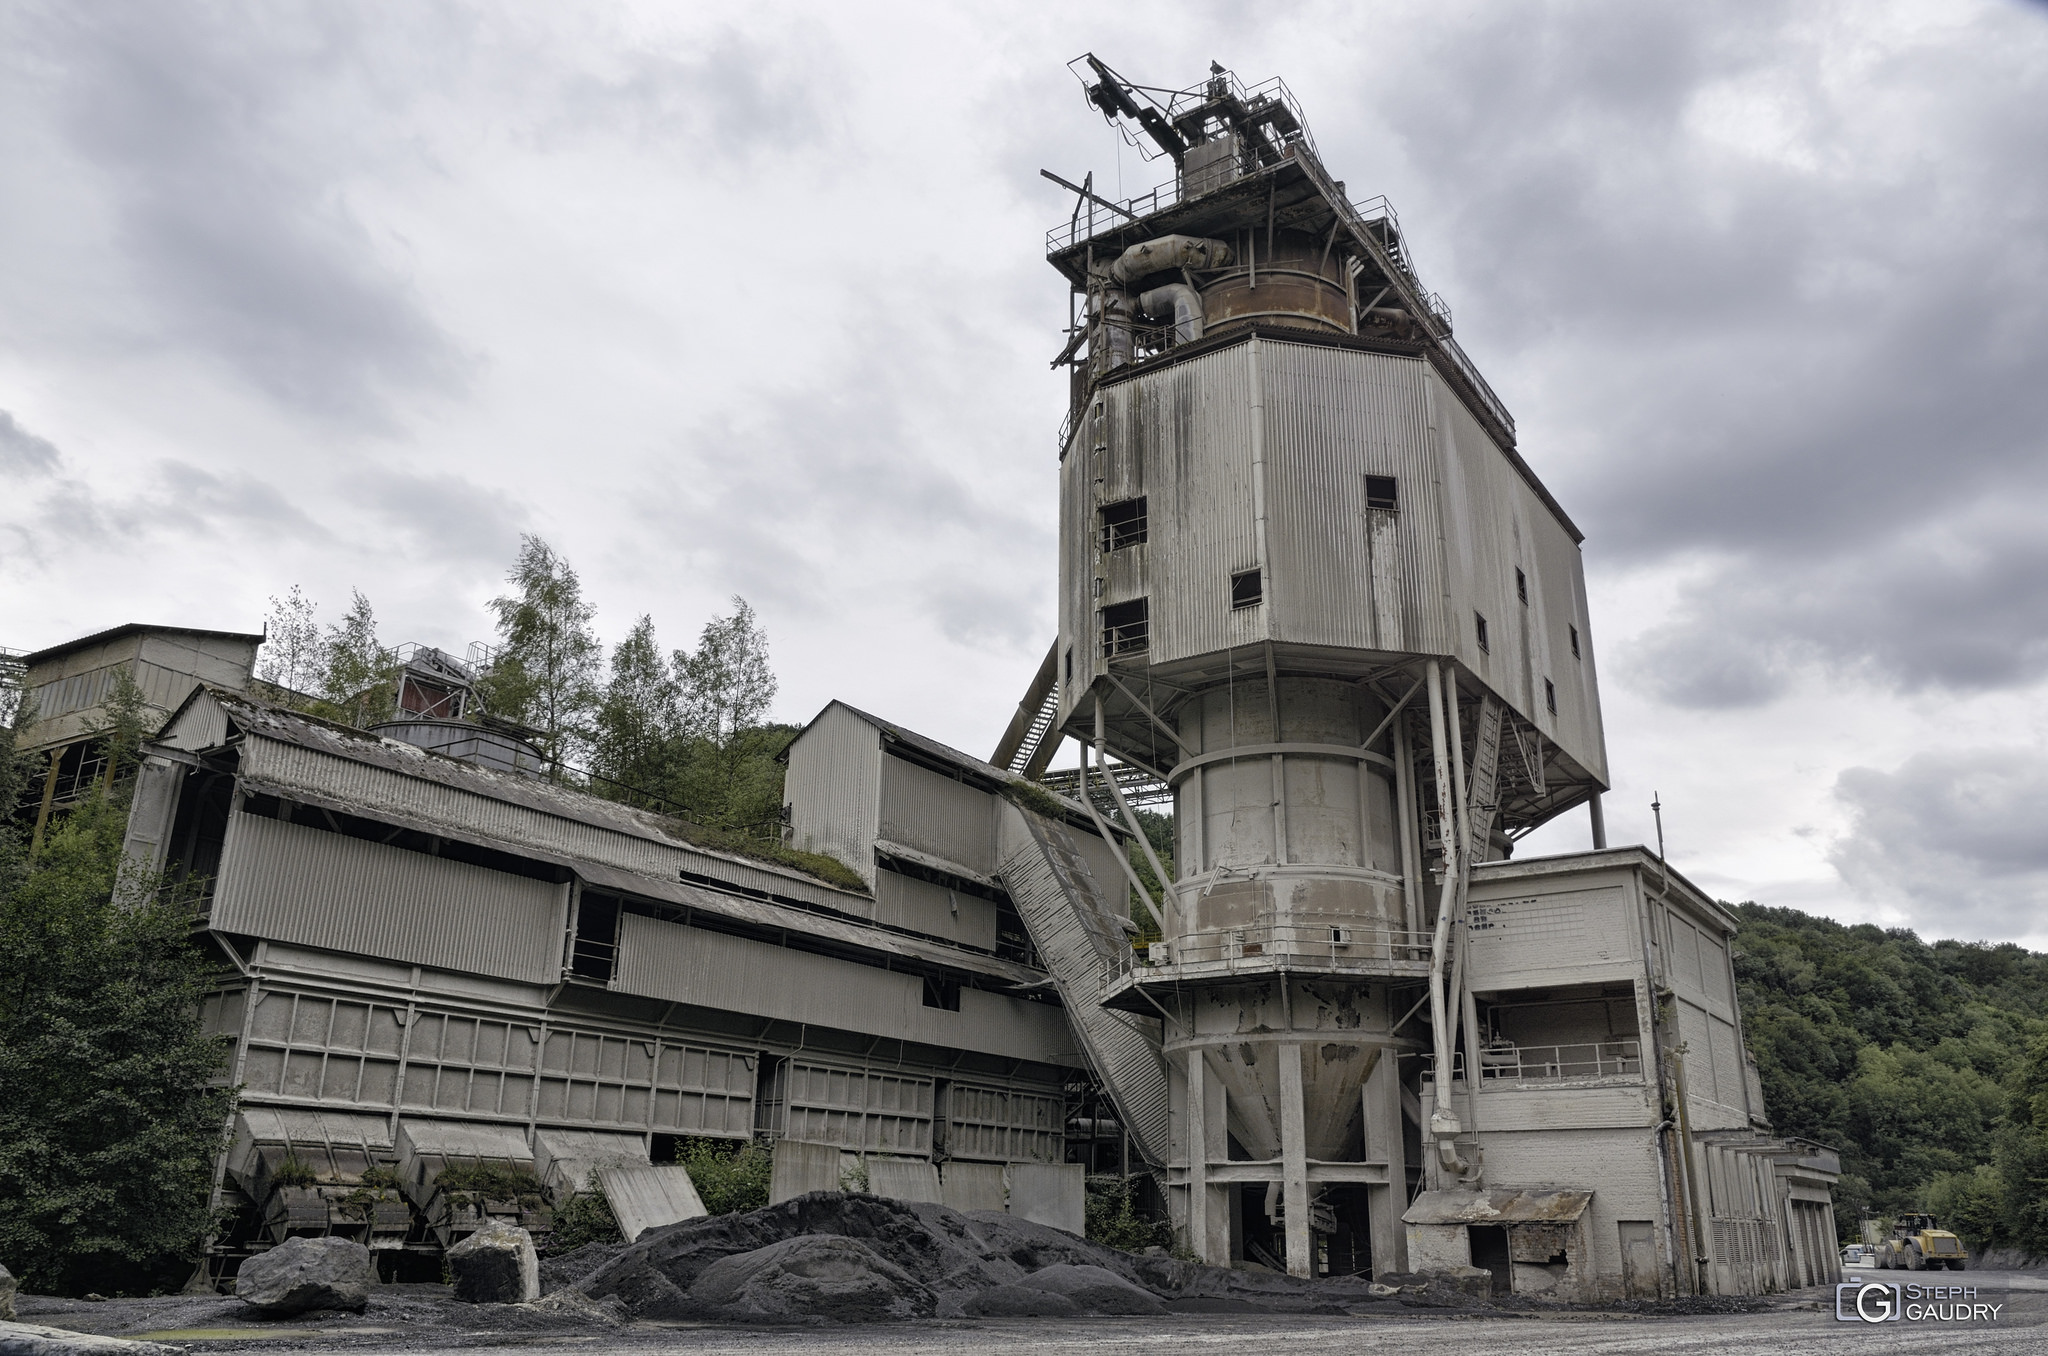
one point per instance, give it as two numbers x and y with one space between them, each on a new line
1443 1121
1185 304
1599 817
1168 251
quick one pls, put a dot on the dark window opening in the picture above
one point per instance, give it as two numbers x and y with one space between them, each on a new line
1382 493
1480 620
1575 640
1521 586
942 993
1126 627
597 937
1246 589
1123 524
1550 695
1070 661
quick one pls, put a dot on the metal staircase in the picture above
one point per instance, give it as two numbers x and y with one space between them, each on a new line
1027 746
1079 937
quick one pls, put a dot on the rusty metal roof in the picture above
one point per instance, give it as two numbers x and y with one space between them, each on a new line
1506 1205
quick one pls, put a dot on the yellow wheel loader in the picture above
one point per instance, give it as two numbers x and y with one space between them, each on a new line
1917 1243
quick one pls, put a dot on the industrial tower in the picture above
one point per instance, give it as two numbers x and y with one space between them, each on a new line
1311 594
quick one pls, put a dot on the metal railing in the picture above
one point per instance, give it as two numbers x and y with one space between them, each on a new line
1549 1063
1264 947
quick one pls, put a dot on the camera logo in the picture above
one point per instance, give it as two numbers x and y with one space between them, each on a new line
1861 1301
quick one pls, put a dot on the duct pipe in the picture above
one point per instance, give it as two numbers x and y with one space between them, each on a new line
1168 251
1184 302
1599 817
1111 311
1443 1121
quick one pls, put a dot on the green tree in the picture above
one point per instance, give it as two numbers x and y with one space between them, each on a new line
360 676
545 673
294 658
109 1117
636 733
728 774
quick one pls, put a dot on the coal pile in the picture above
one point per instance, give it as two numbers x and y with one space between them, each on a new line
832 1257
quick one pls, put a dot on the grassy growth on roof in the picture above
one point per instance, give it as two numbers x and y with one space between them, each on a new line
1029 795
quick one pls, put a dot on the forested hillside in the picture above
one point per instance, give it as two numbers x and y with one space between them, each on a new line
1925 1063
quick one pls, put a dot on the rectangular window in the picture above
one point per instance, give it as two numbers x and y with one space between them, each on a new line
1521 586
1123 524
1550 696
1246 590
1479 627
1070 666
1575 640
1125 628
942 993
1382 493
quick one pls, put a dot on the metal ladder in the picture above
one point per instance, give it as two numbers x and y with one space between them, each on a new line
1077 936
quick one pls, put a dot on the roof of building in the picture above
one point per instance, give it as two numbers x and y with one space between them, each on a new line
990 777
752 890
1632 855
131 628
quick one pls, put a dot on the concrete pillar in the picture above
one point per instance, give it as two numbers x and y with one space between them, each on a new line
1198 1155
1294 1163
1382 1094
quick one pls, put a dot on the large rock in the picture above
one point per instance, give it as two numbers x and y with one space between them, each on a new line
496 1265
1094 1290
302 1274
816 1278
7 1288
33 1339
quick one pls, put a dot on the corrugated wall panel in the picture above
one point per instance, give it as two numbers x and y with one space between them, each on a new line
1344 575
714 970
296 884
1192 425
948 819
834 788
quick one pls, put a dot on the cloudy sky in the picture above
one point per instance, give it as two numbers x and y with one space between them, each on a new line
750 299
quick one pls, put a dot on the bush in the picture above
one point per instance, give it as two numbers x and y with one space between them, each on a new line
291 1173
586 1217
729 1178
474 1183
1114 1221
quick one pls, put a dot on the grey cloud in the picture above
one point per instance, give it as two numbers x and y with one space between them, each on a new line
23 453
456 519
199 500
735 99
1960 605
1818 375
1955 836
233 221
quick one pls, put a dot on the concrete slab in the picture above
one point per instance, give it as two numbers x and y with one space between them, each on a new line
564 1159
973 1186
903 1179
647 1196
1053 1194
801 1166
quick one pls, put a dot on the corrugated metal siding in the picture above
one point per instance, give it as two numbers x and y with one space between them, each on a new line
948 819
1191 425
905 902
834 789
380 792
1343 575
1494 523
737 974
295 884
